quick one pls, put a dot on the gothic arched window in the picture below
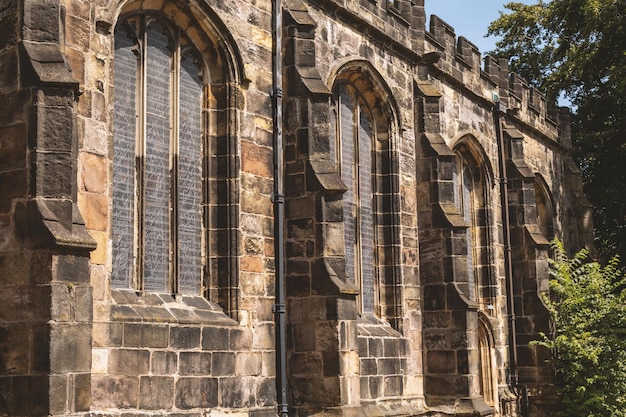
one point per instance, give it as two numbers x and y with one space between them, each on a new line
159 195
356 133
470 197
362 128
486 366
543 203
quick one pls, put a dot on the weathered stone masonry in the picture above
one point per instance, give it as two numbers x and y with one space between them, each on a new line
396 280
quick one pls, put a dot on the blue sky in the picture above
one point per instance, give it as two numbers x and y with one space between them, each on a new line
470 18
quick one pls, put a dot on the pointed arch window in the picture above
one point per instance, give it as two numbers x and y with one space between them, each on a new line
486 368
355 135
543 204
470 197
159 192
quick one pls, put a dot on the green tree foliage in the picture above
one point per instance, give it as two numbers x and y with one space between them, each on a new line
577 49
588 308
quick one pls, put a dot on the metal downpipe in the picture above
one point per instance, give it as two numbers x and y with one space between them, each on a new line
278 201
506 233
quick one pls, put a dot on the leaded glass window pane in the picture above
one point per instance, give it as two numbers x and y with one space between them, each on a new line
366 216
157 156
190 182
124 122
347 138
469 219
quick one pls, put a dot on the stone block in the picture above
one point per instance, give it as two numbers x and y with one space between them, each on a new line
463 362
13 143
83 304
146 335
40 348
215 338
70 268
41 21
393 386
263 338
112 391
437 320
62 302
184 337
441 362
331 366
77 32
268 364
107 334
29 395
390 347
59 398
434 297
13 184
305 364
82 392
248 363
196 392
70 348
376 385
436 341
223 363
95 210
364 387
129 361
266 392
8 35
389 366
450 386
237 392
156 392
256 159
52 173
163 363
375 346
526 356
368 367
98 255
240 339
14 349
194 363
53 132
14 268
363 347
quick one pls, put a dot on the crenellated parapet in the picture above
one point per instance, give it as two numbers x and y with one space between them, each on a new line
487 79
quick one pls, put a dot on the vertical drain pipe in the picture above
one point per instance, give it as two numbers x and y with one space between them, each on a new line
506 233
278 201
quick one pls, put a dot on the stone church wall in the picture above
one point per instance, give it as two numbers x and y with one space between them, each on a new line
423 330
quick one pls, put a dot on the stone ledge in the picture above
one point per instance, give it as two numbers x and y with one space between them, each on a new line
129 305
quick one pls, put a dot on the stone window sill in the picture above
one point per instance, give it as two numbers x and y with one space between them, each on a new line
131 306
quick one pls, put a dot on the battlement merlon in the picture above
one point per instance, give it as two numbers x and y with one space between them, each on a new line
489 78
